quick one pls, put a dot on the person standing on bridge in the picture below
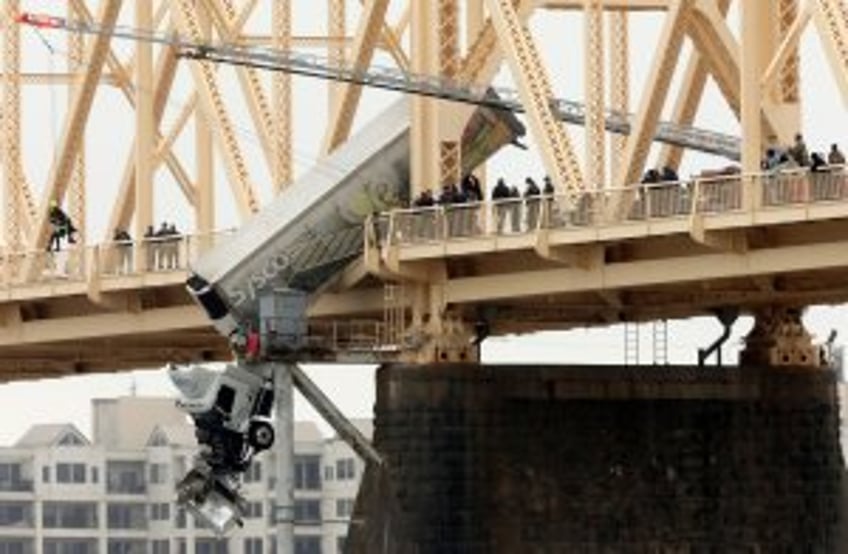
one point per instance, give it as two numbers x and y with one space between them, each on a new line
499 196
835 156
799 151
515 209
123 244
531 197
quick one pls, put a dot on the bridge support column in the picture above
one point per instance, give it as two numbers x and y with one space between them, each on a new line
283 515
442 335
780 339
506 459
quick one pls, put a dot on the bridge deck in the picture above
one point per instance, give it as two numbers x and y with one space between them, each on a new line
650 251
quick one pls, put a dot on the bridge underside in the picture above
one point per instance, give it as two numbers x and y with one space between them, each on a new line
640 272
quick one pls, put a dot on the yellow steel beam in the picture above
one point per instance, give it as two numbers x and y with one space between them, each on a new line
653 98
177 126
790 72
204 208
145 133
617 5
73 131
424 132
125 202
336 44
593 48
364 43
11 136
450 163
484 56
212 103
619 77
402 24
752 67
628 275
76 188
282 170
34 78
831 17
390 40
111 324
536 93
788 47
250 80
122 209
689 98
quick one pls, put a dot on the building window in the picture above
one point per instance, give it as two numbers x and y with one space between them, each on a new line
179 466
70 473
307 512
307 472
160 511
253 473
95 474
16 514
70 546
126 516
69 515
345 469
161 546
70 439
45 474
158 473
254 510
16 545
340 545
211 546
253 546
11 479
181 518
125 477
307 545
127 546
344 507
328 473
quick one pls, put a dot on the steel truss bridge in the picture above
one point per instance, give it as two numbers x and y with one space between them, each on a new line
601 250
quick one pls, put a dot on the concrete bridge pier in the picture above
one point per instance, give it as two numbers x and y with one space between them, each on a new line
507 459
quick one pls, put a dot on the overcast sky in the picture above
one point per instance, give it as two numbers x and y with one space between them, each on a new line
560 38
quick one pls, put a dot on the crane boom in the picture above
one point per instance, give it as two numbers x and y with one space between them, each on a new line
390 78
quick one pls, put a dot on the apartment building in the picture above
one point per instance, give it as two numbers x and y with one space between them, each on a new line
63 493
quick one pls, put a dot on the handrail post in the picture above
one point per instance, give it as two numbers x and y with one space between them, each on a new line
647 193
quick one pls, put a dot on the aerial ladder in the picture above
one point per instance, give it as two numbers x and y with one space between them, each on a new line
390 78
260 282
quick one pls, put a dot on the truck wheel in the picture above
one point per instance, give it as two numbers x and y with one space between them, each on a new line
260 435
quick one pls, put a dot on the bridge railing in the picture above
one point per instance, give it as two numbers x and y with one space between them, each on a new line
715 194
110 259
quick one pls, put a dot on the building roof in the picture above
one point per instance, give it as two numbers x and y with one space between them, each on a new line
174 434
52 434
307 431
365 426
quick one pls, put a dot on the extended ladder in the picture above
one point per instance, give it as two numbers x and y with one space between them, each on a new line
389 78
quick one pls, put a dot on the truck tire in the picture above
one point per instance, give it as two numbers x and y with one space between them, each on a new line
260 435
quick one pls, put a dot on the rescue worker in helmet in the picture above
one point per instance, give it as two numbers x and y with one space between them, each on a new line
62 226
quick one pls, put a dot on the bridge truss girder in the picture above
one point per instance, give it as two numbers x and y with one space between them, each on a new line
494 33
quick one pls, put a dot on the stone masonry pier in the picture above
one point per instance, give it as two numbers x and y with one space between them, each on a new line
507 459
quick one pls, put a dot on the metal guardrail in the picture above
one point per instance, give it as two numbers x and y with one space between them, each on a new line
111 259
606 207
644 202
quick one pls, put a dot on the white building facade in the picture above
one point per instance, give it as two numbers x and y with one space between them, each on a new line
61 493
